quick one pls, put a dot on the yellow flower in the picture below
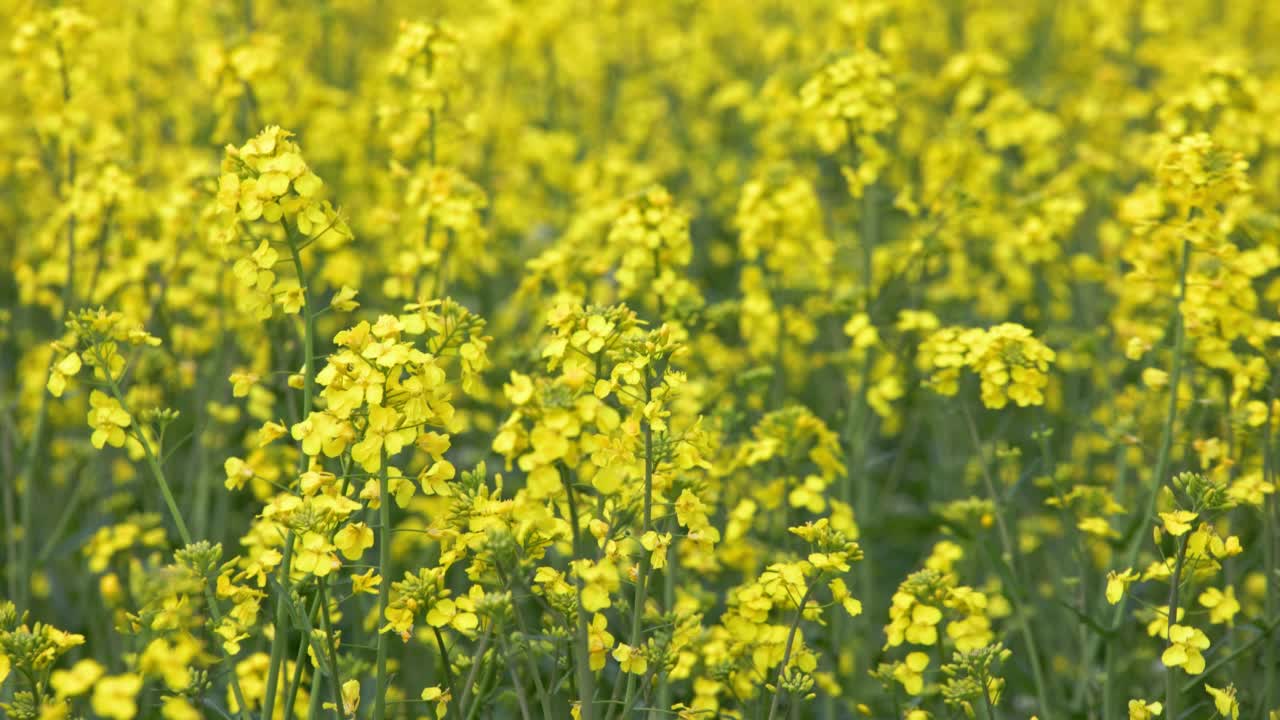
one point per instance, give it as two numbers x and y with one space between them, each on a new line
321 431
292 300
1178 522
399 620
910 672
520 390
924 622
1118 584
840 593
1222 604
435 478
344 300
114 696
107 419
1143 710
631 660
861 331
65 368
314 555
242 383
592 338
549 444
1186 644
599 641
382 433
1098 527
1159 625
447 613
435 694
1224 700
350 698
1155 377
176 707
366 582
270 432
76 681
353 540
657 546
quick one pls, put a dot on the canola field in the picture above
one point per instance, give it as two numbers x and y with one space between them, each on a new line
613 359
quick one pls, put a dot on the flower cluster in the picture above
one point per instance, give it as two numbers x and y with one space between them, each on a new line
1010 363
741 359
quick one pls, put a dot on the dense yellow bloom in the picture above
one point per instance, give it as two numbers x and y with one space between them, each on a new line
698 274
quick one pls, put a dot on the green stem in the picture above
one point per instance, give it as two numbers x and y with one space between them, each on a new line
642 574
508 580
522 698
1010 559
281 627
36 446
308 333
1175 582
1108 684
582 663
476 661
786 654
427 232
15 563
384 588
295 683
1166 434
153 462
1166 440
581 652
668 605
280 639
25 568
157 473
72 506
447 666
486 686
986 699
1269 558
626 709
330 645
